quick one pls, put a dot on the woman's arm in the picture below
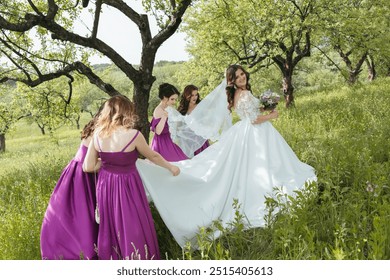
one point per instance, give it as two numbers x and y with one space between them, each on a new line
263 118
144 149
91 162
164 116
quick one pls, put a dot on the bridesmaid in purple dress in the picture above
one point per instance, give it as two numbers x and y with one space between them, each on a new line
69 230
126 227
162 141
188 101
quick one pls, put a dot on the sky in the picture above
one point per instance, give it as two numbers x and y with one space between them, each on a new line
122 34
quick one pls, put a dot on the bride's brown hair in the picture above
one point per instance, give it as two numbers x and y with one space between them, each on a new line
230 81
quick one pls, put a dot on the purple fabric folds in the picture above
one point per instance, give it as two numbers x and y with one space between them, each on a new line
69 230
126 229
164 145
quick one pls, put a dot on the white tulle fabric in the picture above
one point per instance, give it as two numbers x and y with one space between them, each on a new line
211 116
182 134
208 120
245 164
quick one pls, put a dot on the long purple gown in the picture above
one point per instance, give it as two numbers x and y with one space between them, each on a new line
69 230
126 229
163 143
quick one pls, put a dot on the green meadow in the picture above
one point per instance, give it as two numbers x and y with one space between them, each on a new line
343 132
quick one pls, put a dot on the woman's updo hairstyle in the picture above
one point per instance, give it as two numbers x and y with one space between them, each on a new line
167 90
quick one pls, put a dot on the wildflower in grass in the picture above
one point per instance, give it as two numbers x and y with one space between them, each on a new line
369 187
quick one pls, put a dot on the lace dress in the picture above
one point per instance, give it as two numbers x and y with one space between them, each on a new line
247 162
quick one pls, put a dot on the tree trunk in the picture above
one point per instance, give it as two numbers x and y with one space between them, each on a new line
371 68
353 71
2 143
353 76
286 66
141 103
42 128
78 122
288 89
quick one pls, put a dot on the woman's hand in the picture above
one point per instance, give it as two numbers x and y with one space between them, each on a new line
263 118
273 115
174 170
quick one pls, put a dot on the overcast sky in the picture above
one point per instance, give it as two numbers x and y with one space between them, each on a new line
122 34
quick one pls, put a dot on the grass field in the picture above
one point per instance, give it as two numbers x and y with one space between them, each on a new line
342 132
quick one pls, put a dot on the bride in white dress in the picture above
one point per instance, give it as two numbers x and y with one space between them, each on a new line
247 162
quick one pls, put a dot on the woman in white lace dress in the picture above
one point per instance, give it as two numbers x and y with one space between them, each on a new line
247 162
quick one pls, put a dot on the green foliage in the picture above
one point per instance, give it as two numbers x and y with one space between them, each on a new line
48 105
29 171
34 49
342 132
247 32
9 111
221 33
165 72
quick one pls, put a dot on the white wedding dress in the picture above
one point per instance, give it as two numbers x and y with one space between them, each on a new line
245 164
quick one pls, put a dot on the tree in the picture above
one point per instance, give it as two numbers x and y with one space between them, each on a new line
358 31
253 33
6 120
47 105
9 113
62 52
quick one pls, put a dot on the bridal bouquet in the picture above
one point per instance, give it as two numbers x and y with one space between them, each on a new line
269 100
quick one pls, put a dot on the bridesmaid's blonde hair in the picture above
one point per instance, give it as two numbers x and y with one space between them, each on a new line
118 111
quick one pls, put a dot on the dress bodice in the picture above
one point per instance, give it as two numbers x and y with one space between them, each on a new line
248 106
154 123
119 162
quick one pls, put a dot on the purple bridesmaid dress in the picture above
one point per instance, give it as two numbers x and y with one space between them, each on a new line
69 230
126 229
201 149
164 145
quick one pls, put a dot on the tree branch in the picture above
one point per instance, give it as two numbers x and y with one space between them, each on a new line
96 20
76 66
330 59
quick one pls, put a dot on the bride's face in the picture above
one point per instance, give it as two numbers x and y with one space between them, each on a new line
240 79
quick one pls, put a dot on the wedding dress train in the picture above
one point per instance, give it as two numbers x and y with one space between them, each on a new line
247 162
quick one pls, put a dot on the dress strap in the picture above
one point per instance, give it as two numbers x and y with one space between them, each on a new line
97 141
131 141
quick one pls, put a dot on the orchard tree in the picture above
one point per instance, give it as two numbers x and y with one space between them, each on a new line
253 33
61 51
10 113
48 105
358 31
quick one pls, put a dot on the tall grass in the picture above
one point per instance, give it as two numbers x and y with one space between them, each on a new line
342 132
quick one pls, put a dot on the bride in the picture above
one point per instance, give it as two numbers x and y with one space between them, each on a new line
247 162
